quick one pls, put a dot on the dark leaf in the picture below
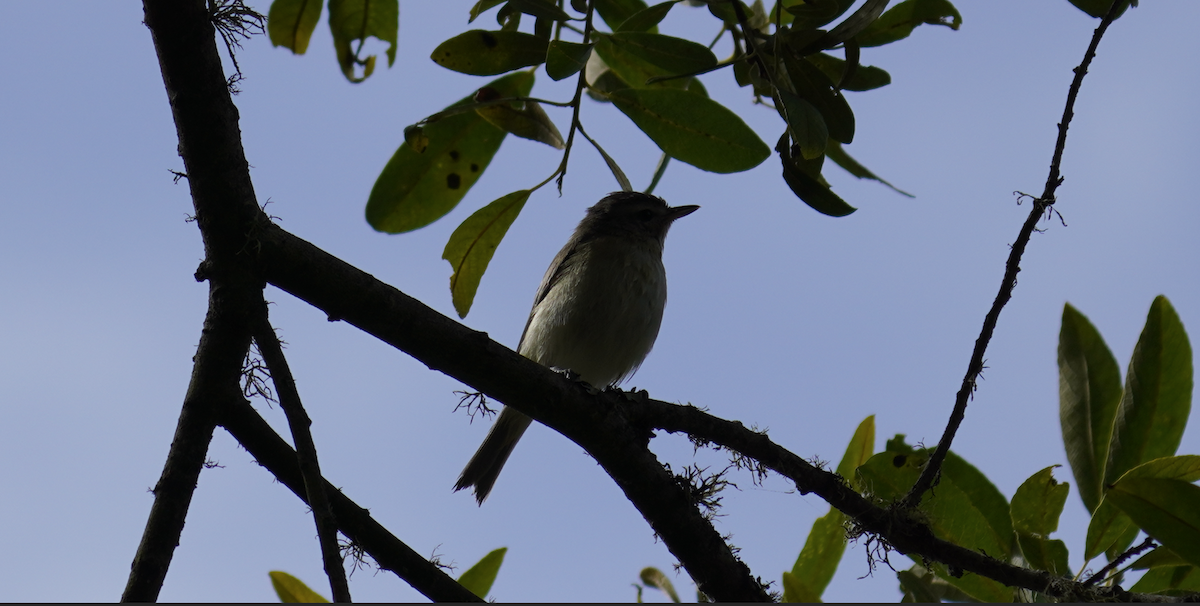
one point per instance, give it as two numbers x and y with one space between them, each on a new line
352 20
486 53
900 20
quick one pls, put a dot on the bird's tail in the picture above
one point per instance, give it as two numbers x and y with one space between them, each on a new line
485 466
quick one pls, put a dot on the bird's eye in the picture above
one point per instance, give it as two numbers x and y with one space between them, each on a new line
645 215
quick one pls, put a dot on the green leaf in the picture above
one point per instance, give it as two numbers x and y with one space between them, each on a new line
812 85
811 189
1038 503
1089 391
1098 8
542 9
1158 557
899 21
415 189
1158 394
692 128
859 450
524 119
482 7
655 578
616 12
826 542
865 77
1050 555
473 243
811 14
487 53
637 56
1108 526
966 509
290 23
818 559
478 579
1166 509
565 59
834 151
804 122
1171 580
925 587
351 20
292 590
646 19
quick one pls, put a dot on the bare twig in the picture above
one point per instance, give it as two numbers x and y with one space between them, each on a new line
1117 561
930 473
310 469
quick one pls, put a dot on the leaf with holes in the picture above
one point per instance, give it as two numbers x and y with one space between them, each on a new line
351 20
416 189
487 53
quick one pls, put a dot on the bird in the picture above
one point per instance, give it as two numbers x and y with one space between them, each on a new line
596 313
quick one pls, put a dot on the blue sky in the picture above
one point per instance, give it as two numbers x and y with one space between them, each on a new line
778 317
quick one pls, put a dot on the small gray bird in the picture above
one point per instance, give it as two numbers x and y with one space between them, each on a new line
596 313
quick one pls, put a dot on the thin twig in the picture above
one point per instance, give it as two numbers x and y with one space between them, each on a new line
930 473
577 101
1129 553
299 423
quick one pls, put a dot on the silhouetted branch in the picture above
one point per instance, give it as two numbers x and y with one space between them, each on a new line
390 553
1013 266
310 468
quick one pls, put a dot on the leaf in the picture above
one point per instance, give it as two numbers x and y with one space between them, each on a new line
834 151
1099 8
636 57
925 587
865 77
1158 394
482 7
478 579
646 19
292 590
812 85
1166 509
859 450
850 27
655 578
812 190
290 23
804 122
812 14
898 22
826 542
565 59
1107 527
472 245
416 189
1172 580
966 509
487 53
1089 391
616 12
351 20
542 9
1038 503
1157 558
1050 555
528 121
692 128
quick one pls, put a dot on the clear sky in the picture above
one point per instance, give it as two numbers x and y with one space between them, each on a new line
778 317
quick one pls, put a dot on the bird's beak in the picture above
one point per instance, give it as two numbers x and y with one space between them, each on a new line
676 212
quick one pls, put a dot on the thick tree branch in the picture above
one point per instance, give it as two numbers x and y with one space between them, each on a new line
273 453
310 468
347 293
1013 266
210 145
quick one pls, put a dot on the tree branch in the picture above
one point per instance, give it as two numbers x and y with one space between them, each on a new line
273 453
1013 266
347 293
210 145
310 469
